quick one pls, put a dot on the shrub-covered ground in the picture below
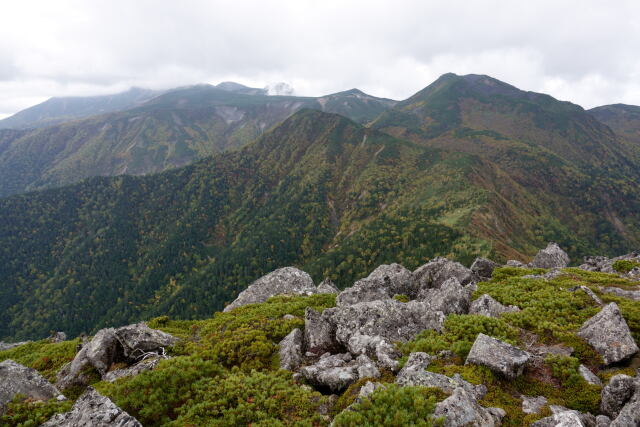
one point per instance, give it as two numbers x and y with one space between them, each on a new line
225 370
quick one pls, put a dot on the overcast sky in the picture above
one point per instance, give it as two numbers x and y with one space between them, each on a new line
587 52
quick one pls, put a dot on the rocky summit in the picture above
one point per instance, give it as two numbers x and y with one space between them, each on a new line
536 343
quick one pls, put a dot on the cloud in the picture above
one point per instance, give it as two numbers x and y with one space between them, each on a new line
582 51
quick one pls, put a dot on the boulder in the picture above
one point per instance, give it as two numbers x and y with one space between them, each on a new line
335 372
319 332
500 357
57 337
327 287
483 268
93 409
414 374
630 413
616 394
388 319
603 421
608 333
138 339
362 291
366 367
18 379
461 409
632 295
533 405
393 277
437 271
291 350
133 370
450 298
589 376
487 306
550 257
283 281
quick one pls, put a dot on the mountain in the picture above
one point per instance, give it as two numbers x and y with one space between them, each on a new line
623 119
172 129
317 191
58 110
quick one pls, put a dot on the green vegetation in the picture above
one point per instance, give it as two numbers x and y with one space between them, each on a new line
625 265
43 356
23 413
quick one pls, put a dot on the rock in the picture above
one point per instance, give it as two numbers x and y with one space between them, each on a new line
498 356
587 291
563 417
57 337
487 306
515 263
288 317
461 409
9 345
368 389
389 319
138 338
608 333
632 295
630 413
136 369
291 350
366 367
387 355
414 374
437 271
394 278
450 298
127 344
93 409
283 281
603 421
327 287
589 376
550 257
533 405
335 372
616 394
362 291
18 379
483 268
319 332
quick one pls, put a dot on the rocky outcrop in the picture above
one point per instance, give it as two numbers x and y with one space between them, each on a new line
616 394
57 337
93 409
483 268
128 344
500 357
335 372
608 333
319 332
551 257
487 306
630 413
362 291
461 409
414 374
283 281
291 350
434 273
18 379
384 282
327 287
133 370
450 298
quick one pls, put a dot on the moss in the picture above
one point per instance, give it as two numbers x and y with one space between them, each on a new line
401 298
625 265
43 356
24 413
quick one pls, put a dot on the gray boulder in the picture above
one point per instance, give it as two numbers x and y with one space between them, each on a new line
630 413
487 306
450 298
133 370
138 339
533 405
608 333
483 268
550 257
362 291
18 379
616 394
589 376
291 350
335 372
319 332
283 281
498 356
57 337
461 409
366 367
394 277
389 319
603 421
437 271
327 287
414 374
93 409
632 295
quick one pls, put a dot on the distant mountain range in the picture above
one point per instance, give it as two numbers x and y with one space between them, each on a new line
469 166
144 132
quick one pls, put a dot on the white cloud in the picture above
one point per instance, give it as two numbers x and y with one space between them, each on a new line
582 51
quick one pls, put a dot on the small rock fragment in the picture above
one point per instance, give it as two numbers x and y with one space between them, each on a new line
498 356
291 350
550 257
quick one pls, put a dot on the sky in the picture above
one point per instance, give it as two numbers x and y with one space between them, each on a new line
581 51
